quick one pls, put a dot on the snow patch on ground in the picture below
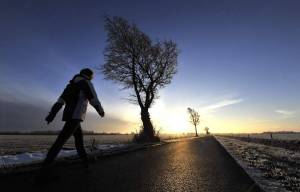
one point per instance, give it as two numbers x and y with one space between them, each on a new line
39 156
275 169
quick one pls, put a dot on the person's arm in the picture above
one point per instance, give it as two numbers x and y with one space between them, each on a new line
59 103
55 109
91 94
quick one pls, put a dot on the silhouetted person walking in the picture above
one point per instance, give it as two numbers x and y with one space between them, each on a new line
75 97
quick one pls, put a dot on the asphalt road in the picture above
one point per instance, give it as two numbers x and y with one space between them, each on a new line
190 165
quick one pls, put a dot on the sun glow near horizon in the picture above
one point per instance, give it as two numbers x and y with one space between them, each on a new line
170 119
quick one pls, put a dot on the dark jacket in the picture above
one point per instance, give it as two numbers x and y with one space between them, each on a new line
75 97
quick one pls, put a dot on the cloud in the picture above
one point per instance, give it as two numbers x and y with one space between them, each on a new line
27 117
222 104
21 116
286 113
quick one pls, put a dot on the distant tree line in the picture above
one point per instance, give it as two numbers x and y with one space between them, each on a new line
280 132
55 133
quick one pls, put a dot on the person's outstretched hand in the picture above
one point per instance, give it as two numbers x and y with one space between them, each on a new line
101 113
49 118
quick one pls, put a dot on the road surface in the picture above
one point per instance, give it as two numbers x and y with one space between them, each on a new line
190 165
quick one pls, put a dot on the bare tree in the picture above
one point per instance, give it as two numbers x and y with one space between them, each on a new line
136 63
194 118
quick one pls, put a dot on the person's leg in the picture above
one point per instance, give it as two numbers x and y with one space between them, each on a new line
63 136
79 144
45 174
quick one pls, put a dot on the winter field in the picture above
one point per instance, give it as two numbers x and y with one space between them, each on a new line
278 136
15 144
289 141
274 168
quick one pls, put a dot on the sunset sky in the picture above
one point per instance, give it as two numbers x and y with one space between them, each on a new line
238 63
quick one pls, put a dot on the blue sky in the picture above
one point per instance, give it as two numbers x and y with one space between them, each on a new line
238 63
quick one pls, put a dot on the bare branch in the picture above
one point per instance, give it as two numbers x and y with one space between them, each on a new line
135 62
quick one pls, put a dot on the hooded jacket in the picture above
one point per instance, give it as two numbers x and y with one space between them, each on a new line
76 96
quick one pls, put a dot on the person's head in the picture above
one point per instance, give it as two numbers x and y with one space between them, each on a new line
88 73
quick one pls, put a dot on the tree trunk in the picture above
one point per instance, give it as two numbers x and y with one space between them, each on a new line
148 130
196 130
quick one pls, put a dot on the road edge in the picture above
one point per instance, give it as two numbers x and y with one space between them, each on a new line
238 163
